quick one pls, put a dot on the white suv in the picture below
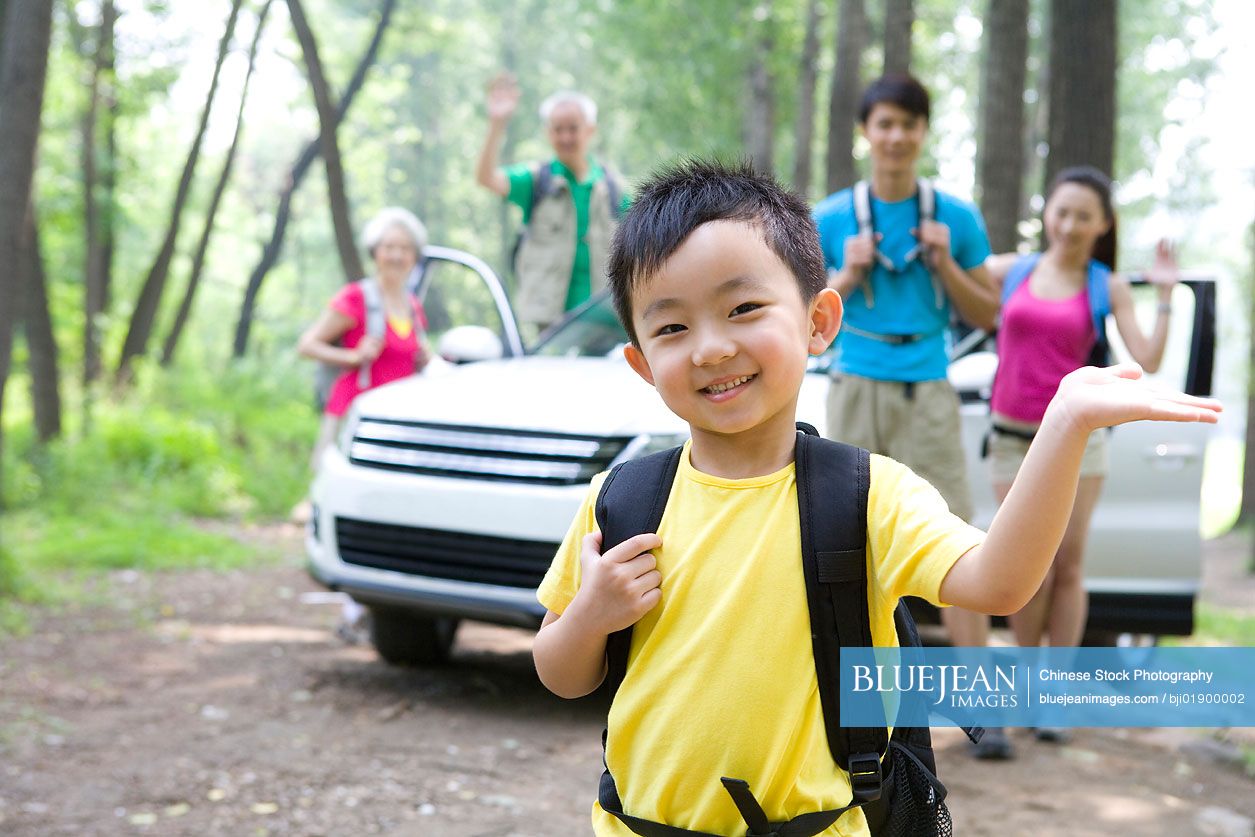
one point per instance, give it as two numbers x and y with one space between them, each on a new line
448 492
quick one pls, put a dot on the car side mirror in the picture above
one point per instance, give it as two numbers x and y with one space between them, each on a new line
469 343
972 375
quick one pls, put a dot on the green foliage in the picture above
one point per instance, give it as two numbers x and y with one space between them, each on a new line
142 486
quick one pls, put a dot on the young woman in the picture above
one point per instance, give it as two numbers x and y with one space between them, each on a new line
395 240
1054 307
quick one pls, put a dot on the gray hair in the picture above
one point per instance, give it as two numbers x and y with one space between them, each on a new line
562 97
388 218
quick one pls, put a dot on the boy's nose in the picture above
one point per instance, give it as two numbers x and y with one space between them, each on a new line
713 349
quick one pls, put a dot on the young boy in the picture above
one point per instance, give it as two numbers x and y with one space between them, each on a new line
718 277
899 283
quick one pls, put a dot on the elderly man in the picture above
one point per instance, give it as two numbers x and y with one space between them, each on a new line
571 205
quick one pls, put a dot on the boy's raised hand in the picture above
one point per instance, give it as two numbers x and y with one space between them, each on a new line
619 587
1093 397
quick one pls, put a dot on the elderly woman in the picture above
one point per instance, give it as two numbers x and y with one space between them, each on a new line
343 336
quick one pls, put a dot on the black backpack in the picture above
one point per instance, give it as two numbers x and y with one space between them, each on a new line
893 777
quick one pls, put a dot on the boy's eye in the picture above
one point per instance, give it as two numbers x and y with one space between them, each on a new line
670 328
745 308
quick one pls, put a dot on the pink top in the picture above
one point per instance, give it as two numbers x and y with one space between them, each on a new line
401 356
1039 341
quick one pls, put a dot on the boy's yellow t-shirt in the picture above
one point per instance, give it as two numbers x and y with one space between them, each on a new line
721 675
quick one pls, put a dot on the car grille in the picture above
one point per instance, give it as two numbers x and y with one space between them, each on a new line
482 453
435 553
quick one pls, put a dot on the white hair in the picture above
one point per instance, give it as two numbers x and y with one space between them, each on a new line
562 97
389 218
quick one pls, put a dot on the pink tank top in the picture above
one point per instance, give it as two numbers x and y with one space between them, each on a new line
1039 341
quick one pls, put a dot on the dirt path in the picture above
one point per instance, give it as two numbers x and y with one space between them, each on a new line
203 703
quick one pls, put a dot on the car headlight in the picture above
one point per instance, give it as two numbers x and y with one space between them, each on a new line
648 443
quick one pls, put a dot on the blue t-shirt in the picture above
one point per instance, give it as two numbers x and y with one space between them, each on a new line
904 302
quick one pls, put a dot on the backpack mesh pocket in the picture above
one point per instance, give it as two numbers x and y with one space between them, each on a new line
916 798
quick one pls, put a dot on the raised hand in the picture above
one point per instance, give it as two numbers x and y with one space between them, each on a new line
1093 397
619 587
1164 272
503 97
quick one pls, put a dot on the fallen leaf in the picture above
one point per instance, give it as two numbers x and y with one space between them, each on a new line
264 808
177 810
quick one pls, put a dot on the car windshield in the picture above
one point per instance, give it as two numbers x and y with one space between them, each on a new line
592 330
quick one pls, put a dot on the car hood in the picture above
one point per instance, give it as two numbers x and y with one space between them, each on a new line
591 396
596 396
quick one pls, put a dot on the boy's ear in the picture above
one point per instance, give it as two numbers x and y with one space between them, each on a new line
636 359
826 311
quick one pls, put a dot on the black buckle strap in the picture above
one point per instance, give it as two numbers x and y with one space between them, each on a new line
753 814
865 777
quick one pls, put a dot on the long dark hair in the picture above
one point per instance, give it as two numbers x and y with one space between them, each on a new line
1093 179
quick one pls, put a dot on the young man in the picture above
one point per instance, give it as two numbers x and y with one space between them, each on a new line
900 283
718 277
561 259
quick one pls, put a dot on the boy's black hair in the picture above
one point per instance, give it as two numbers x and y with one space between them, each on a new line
899 89
1098 183
680 198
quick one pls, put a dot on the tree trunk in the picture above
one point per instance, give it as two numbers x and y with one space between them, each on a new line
41 342
23 68
202 247
1001 166
899 18
327 123
1247 512
843 101
144 317
808 71
760 116
98 179
1082 85
270 253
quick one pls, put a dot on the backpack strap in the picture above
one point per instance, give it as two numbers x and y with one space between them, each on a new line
1099 290
376 325
833 480
637 491
1021 269
542 185
614 191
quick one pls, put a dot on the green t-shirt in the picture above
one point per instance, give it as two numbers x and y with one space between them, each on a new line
520 176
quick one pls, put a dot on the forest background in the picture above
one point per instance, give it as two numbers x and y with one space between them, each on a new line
202 169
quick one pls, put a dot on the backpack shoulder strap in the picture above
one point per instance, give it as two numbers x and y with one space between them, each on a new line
614 190
376 324
1020 270
631 502
927 200
1097 283
862 197
542 184
1099 290
833 479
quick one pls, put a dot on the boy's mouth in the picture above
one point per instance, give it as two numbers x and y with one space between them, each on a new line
717 389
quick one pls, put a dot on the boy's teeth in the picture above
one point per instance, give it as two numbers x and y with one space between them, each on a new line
718 388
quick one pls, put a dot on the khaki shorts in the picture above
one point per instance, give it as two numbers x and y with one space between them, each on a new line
918 425
1006 452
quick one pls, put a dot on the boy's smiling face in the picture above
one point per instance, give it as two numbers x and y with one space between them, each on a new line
724 333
